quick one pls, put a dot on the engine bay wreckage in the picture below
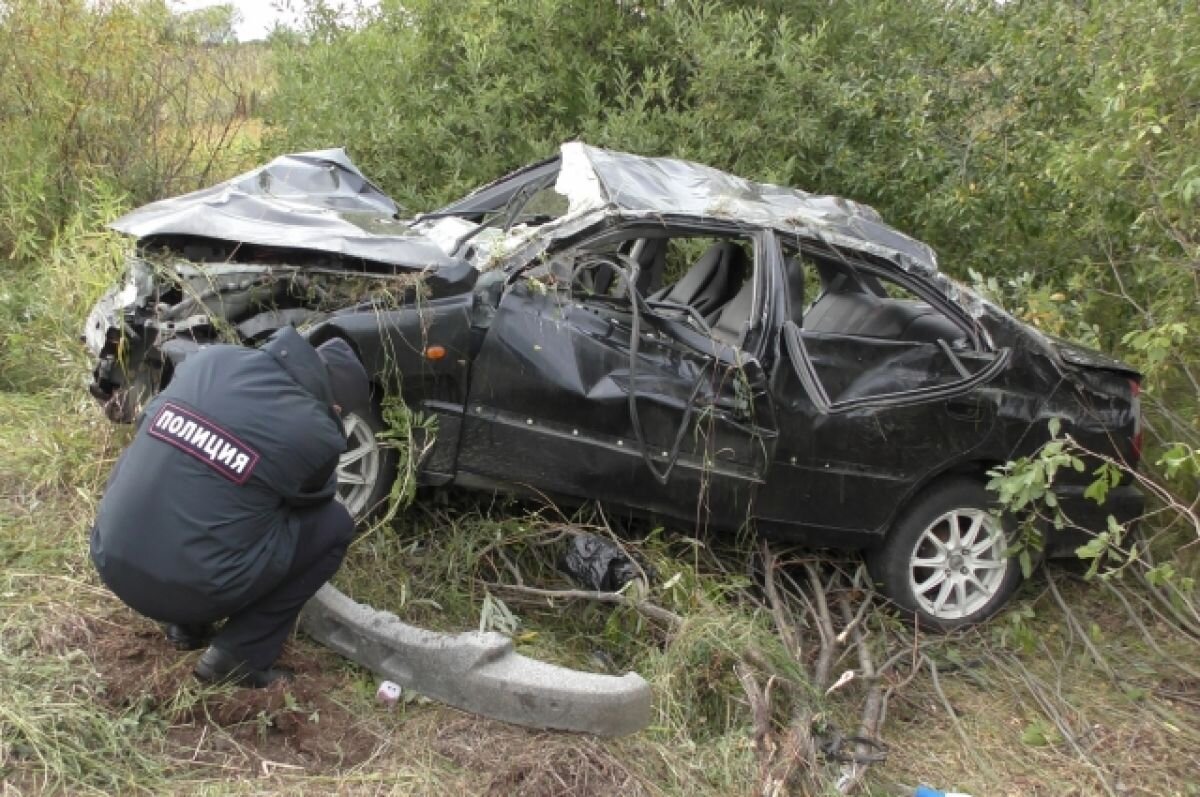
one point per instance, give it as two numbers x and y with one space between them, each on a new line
671 340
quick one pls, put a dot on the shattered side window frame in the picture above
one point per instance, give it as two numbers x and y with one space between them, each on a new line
792 344
880 268
764 254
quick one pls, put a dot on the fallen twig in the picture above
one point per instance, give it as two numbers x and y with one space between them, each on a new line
950 712
785 624
873 706
824 623
1077 629
760 712
650 610
1147 635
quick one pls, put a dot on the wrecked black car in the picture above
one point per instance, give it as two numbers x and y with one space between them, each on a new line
649 333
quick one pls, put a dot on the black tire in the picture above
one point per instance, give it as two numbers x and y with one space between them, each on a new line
936 564
368 468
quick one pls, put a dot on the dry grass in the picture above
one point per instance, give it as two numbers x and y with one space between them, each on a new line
93 701
1042 717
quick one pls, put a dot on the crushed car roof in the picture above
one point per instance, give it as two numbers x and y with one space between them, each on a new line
591 177
319 201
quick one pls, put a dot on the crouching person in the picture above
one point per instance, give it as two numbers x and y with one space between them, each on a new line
222 507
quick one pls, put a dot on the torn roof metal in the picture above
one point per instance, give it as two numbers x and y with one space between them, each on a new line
319 201
592 178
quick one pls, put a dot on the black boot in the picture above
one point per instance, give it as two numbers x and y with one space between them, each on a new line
188 636
220 666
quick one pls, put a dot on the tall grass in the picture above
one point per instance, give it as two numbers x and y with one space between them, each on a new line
42 308
108 92
55 734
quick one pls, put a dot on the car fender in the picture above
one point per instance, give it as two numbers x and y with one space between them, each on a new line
420 353
423 348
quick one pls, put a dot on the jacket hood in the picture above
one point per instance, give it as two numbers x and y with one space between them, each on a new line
347 377
301 361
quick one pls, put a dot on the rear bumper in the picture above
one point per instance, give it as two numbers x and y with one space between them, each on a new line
1125 503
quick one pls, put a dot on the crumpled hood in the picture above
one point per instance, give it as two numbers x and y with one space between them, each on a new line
317 201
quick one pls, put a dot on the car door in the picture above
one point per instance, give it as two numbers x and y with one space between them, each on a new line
549 402
873 394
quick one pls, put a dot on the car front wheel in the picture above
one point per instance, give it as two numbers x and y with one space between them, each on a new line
366 469
945 560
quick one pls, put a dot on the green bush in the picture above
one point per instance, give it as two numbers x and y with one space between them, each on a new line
102 105
108 93
1049 148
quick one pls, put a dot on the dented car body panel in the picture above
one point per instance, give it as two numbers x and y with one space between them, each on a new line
646 332
311 201
555 379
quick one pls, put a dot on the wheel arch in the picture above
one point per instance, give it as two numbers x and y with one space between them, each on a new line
910 562
974 468
329 331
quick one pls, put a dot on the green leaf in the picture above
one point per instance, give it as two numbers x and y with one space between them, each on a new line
1038 734
1093 548
1097 491
1136 693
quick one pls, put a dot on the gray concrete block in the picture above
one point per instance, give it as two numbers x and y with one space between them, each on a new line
477 672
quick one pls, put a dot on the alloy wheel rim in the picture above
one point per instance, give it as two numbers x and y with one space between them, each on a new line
958 564
358 467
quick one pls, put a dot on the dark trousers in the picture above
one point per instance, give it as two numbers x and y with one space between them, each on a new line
257 631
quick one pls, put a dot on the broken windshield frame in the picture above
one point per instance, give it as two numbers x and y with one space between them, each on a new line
509 212
496 194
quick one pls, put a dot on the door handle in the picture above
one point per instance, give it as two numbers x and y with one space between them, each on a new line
965 409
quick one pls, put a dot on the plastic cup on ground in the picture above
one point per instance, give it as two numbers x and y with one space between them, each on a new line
388 694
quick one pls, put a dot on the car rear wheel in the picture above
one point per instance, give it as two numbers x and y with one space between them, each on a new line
367 468
945 561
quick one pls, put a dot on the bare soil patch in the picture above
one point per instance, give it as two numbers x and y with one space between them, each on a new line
289 727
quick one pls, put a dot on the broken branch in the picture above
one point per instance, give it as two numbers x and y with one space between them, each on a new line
645 608
784 622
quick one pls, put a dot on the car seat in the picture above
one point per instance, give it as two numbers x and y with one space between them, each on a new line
710 280
734 318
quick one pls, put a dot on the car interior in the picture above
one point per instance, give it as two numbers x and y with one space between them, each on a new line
867 335
900 337
853 302
716 283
